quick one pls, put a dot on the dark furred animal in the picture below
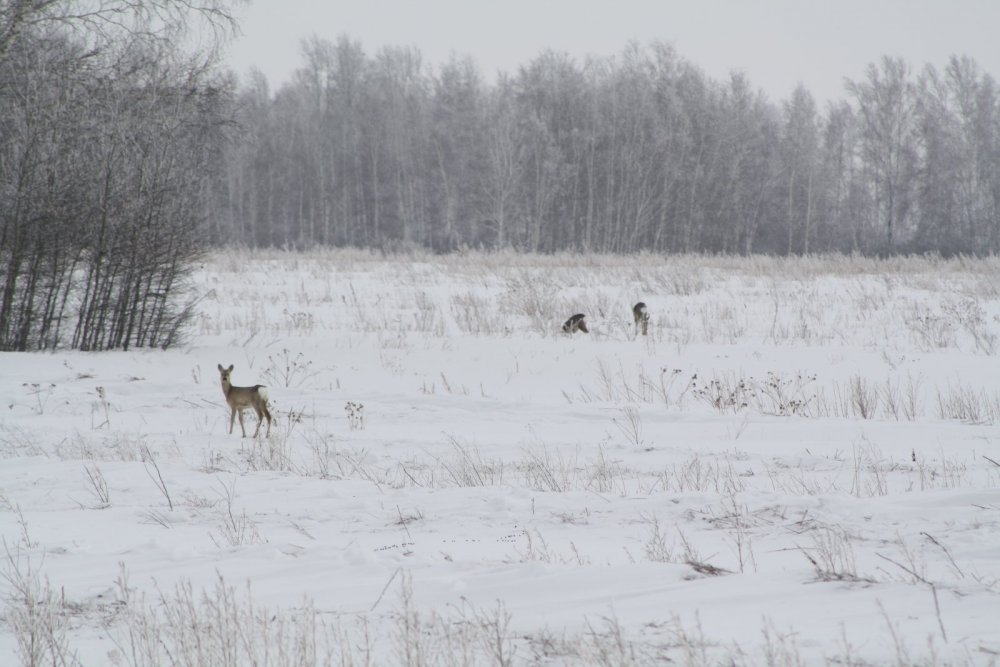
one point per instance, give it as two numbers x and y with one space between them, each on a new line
641 316
575 323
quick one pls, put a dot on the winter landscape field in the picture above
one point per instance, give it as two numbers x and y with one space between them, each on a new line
798 465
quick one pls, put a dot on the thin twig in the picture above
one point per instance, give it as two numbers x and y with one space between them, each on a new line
946 553
158 479
937 610
404 522
905 569
385 588
937 606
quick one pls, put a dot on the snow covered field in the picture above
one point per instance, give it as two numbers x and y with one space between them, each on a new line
800 464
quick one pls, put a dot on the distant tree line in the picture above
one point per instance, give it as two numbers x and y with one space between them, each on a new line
123 157
637 152
108 136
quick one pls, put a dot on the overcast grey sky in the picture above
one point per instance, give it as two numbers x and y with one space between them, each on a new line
776 42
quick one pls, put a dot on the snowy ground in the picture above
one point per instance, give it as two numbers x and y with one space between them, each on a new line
799 465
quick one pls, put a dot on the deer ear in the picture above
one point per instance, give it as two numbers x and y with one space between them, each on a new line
230 369
220 368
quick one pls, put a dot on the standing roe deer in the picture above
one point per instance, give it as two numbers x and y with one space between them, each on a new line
641 315
575 323
241 398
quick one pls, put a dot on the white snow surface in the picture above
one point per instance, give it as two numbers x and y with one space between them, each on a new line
800 464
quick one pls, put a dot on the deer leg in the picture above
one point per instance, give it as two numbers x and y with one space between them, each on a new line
232 418
267 414
260 418
242 428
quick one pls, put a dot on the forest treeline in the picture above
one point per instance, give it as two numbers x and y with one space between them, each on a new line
124 157
108 135
637 152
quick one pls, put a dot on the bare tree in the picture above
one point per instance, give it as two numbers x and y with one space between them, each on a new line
886 104
110 135
639 151
801 147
